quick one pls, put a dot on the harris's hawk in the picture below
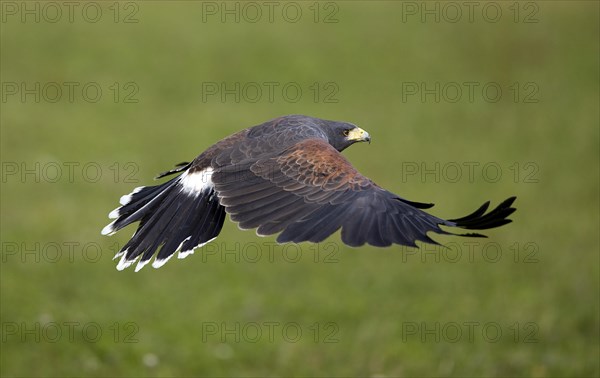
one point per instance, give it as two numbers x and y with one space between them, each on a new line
287 177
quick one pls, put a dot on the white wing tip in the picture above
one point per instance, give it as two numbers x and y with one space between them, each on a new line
119 254
158 263
108 230
184 254
114 214
124 200
141 264
124 263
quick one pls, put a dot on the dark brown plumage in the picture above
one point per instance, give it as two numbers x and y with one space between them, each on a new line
284 176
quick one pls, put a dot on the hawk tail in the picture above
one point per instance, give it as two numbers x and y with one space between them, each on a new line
179 215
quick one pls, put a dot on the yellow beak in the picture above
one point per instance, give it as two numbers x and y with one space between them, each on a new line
359 135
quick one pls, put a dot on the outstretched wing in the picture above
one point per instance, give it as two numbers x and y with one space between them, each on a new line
309 191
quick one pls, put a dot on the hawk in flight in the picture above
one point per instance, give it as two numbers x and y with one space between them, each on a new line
287 177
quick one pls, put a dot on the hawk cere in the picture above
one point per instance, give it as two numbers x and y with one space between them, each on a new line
287 177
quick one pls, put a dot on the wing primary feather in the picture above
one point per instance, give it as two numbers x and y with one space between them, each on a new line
495 218
418 205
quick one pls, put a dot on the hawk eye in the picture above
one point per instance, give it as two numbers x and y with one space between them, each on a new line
346 132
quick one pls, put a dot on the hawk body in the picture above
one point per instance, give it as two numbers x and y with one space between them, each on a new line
287 177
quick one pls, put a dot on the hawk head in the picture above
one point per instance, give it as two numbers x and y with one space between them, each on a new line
342 135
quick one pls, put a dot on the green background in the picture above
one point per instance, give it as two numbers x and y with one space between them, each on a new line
363 311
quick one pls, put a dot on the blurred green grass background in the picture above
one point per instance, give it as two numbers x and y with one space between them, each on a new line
365 298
